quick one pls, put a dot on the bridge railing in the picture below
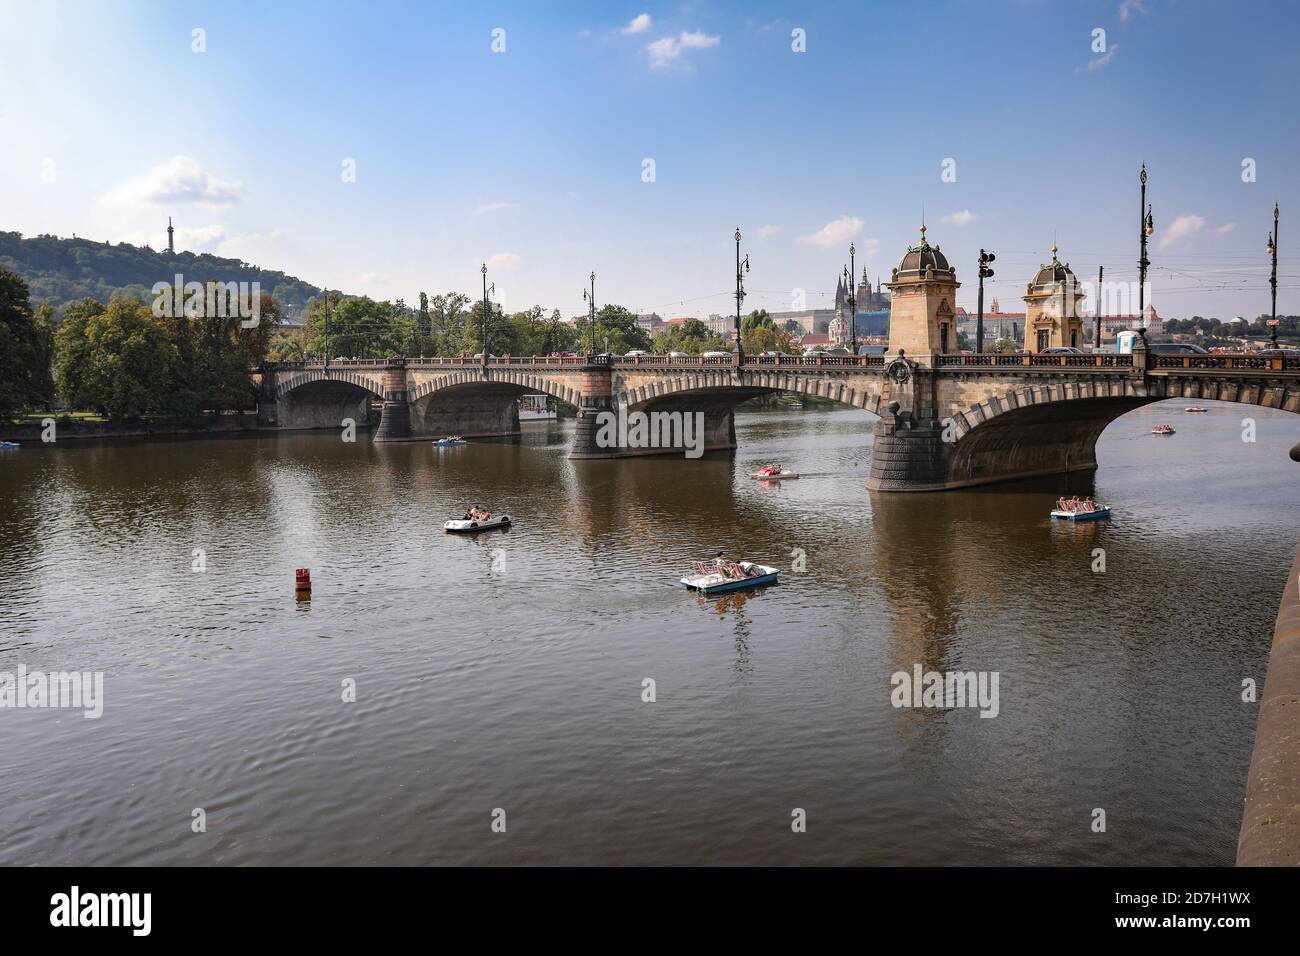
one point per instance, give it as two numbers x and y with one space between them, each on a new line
1276 363
1034 360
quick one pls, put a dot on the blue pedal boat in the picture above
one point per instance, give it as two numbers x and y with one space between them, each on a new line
715 583
448 442
1095 515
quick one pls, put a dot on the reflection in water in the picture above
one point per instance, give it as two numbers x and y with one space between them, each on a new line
505 669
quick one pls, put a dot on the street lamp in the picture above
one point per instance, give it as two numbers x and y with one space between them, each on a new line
741 269
591 299
851 275
1272 279
1146 226
327 330
985 273
485 318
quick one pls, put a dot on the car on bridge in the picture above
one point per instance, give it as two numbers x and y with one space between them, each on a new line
635 353
1279 353
1176 348
1061 350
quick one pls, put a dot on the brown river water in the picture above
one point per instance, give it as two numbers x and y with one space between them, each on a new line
507 671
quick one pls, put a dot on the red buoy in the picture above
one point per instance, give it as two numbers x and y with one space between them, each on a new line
302 580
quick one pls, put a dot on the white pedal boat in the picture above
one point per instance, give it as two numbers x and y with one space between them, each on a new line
714 582
460 524
1094 515
778 476
447 442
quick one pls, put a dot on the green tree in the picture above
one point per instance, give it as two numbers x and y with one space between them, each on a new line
502 333
129 357
616 331
358 326
25 346
766 338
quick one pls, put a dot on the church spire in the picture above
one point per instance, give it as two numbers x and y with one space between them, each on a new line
171 246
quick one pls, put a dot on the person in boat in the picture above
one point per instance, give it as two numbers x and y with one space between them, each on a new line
1089 504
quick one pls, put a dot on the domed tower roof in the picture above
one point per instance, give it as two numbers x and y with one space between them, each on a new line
921 258
1052 274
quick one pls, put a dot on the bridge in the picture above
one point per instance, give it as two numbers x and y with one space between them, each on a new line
947 419
954 421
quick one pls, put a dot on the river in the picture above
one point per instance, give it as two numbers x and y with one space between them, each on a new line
507 671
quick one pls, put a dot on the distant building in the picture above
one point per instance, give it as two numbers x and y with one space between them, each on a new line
650 323
1110 324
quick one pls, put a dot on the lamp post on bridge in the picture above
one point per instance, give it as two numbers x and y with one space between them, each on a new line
1096 342
1146 226
984 273
485 318
741 269
1272 279
591 316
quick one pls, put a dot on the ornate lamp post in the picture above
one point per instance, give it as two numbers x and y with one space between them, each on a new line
985 273
591 316
485 318
741 269
1146 226
327 330
851 274
1272 279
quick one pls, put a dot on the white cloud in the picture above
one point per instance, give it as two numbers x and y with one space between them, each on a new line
503 260
1226 228
963 218
1182 227
1127 9
179 180
369 278
665 51
1097 62
766 232
638 24
488 207
834 232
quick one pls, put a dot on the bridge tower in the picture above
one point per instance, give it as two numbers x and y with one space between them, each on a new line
1052 317
923 304
912 448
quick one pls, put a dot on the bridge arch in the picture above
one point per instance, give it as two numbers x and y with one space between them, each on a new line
722 385
296 380
423 387
1035 430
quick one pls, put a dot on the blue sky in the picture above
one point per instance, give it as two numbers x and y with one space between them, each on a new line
532 158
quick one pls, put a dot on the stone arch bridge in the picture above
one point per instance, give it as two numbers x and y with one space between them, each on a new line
947 421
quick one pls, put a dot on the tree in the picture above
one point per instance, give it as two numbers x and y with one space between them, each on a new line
691 336
502 334
759 318
358 326
616 331
129 361
766 338
25 346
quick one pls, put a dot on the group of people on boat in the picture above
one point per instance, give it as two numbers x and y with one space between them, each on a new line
767 470
1074 505
475 513
728 570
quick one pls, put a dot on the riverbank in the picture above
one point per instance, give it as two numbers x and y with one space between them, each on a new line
1270 825
68 428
